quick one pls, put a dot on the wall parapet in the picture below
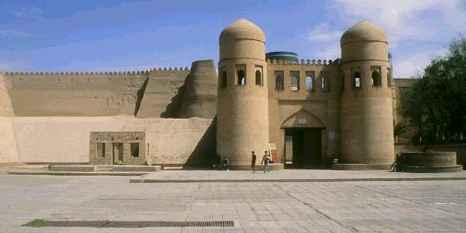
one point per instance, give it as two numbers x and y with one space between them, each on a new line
304 61
95 73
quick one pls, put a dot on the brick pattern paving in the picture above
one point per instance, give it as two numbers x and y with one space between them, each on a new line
304 175
421 206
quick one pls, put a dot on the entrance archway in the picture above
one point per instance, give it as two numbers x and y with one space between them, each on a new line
303 140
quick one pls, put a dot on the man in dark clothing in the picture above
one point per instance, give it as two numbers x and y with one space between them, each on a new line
226 164
253 161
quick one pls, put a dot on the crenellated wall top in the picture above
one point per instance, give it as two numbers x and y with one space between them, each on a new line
100 73
322 62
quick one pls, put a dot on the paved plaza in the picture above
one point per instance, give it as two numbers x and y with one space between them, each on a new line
293 175
366 206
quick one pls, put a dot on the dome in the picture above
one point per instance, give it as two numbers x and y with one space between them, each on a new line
282 55
363 31
242 29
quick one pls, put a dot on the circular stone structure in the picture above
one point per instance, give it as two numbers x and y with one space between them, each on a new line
200 93
432 161
282 55
242 104
366 108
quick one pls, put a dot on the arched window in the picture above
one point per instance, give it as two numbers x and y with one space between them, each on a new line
223 79
241 77
309 80
356 79
279 80
294 80
241 74
324 83
259 80
376 77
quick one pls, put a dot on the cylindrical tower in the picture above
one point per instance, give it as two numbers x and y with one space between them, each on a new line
366 114
242 104
200 94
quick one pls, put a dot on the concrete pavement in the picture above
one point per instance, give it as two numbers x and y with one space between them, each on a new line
185 176
421 206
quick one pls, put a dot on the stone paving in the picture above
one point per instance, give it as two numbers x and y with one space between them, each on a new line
291 175
419 206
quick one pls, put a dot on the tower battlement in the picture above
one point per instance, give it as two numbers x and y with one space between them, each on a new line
322 62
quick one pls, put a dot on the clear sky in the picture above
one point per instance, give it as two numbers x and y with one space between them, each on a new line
91 35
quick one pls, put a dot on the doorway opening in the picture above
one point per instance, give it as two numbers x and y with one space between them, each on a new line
117 153
303 148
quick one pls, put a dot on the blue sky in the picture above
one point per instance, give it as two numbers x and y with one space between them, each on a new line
90 35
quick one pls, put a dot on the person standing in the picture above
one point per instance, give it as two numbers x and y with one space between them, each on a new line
266 161
226 164
253 161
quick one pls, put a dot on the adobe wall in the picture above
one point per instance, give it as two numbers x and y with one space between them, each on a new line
321 103
8 152
75 94
161 97
66 139
92 94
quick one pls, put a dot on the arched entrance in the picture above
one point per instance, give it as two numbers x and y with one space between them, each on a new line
303 140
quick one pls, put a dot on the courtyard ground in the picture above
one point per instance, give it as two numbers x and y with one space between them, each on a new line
293 175
363 206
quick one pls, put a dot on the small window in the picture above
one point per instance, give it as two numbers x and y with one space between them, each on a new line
241 77
310 79
135 150
324 85
241 74
389 77
294 80
223 79
376 77
279 80
259 80
101 149
356 79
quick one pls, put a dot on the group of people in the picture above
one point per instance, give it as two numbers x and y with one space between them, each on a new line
266 160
